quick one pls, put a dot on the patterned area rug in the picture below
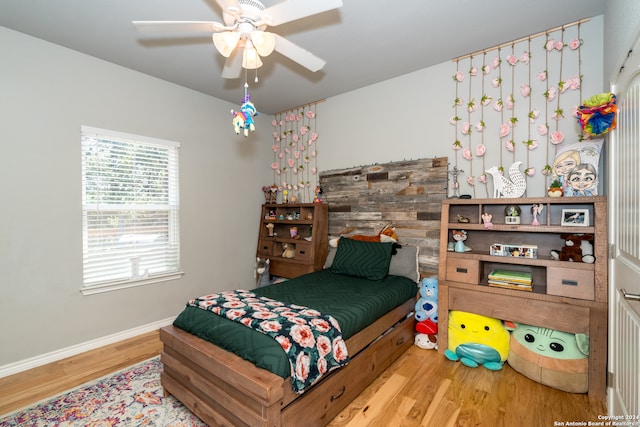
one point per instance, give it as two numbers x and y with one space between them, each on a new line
132 397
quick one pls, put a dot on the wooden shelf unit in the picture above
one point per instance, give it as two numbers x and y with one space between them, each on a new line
578 308
311 245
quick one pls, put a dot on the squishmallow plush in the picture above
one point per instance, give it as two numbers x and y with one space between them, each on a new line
477 340
553 358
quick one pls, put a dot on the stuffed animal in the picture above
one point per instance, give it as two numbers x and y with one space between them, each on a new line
243 119
261 272
553 358
387 234
577 248
427 305
289 250
426 341
477 340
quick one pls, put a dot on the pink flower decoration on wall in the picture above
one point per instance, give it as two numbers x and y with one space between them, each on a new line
533 115
574 44
459 76
557 137
525 90
542 129
524 58
274 165
466 153
498 105
275 148
485 100
550 45
466 128
512 60
314 136
480 150
559 45
290 162
471 180
530 171
505 129
473 71
496 62
479 126
542 76
274 122
496 82
311 114
483 178
509 145
457 145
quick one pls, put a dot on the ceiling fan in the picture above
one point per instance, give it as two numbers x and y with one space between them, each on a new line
242 38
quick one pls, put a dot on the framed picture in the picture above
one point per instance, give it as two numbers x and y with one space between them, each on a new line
575 217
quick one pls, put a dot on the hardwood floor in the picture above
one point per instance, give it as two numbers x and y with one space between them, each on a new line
422 388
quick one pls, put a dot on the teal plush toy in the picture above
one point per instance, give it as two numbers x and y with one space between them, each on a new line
477 340
553 358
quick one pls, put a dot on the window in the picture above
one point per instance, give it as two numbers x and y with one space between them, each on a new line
130 210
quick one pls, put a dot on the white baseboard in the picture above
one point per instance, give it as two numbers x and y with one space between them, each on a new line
54 356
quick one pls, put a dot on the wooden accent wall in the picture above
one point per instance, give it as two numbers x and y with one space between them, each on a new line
406 194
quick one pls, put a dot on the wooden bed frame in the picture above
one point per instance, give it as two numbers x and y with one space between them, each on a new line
224 389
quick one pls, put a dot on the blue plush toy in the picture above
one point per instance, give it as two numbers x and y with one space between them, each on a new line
427 305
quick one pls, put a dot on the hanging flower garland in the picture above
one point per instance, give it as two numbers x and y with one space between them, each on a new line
470 132
295 151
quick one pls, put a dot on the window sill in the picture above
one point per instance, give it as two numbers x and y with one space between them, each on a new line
108 287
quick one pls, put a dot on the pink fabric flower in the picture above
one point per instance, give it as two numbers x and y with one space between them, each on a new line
559 45
480 150
473 71
466 128
509 145
314 170
550 94
483 178
290 162
530 171
485 100
505 129
486 69
542 129
533 115
524 58
532 144
459 76
512 60
557 137
496 62
509 102
547 170
311 114
525 90
314 136
466 153
549 45
574 83
498 105
575 110
542 76
296 137
496 81
454 120
574 44
471 106
275 148
281 154
274 165
471 180
296 154
479 126
456 145
274 122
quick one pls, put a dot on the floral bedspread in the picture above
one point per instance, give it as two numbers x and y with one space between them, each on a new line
312 340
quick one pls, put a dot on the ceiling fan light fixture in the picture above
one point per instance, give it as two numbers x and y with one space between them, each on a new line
225 42
250 58
263 42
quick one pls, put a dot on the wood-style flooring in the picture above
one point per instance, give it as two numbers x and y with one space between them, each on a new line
422 388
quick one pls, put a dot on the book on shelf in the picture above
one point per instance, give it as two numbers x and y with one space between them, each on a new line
511 276
511 285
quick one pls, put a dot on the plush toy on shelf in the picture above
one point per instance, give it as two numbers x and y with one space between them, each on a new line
577 248
477 340
427 314
288 250
261 272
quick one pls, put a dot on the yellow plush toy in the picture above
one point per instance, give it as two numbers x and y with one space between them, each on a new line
477 340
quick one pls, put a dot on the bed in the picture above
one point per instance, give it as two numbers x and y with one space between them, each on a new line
228 374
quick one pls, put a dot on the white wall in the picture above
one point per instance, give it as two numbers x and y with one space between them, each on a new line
48 92
408 117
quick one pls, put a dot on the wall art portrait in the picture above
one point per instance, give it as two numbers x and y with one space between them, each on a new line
576 168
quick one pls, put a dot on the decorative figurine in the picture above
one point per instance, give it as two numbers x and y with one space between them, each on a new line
513 187
459 236
536 210
316 198
512 214
270 228
486 219
463 219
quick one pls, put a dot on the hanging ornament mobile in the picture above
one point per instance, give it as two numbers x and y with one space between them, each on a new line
598 114
243 119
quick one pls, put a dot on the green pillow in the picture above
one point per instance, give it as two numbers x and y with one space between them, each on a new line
368 260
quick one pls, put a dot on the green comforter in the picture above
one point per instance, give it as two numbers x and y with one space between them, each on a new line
355 303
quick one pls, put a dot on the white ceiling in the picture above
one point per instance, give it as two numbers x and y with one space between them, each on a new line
363 42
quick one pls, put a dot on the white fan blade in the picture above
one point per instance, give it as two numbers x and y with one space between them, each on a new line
179 26
230 6
290 10
233 64
298 54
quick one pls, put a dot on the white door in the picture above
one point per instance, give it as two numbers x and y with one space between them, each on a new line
624 234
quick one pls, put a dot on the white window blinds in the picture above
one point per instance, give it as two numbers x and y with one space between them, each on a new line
130 210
